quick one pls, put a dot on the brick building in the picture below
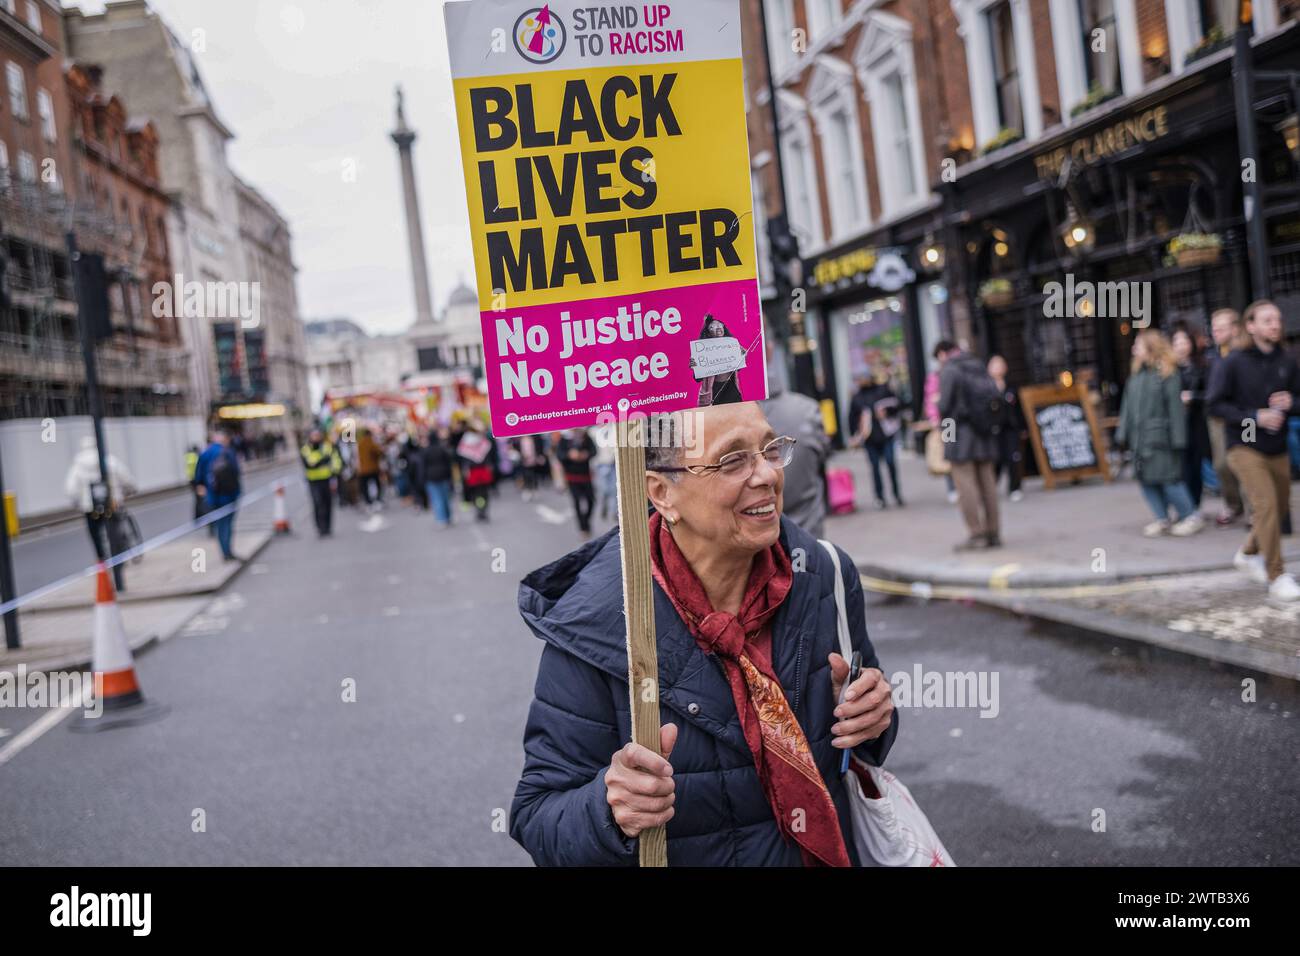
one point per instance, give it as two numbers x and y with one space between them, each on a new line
70 154
942 160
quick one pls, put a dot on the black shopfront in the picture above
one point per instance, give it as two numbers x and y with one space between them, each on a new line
1101 202
875 307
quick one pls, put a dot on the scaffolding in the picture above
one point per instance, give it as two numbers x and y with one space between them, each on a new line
41 370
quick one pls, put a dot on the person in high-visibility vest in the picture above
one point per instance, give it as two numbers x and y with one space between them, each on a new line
322 463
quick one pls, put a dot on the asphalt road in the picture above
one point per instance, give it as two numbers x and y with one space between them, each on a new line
48 554
421 768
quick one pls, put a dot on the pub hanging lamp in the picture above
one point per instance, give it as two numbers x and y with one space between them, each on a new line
931 254
1290 130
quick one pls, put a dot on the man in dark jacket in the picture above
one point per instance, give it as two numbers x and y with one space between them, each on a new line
1226 330
970 444
875 420
1254 393
579 718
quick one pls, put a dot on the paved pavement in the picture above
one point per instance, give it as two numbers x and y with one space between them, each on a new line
1076 555
421 768
1084 534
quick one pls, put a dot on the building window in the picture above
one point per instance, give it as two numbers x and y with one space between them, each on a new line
896 105
4 165
847 207
823 15
45 110
780 33
1006 70
1220 14
26 167
1101 69
33 16
11 7
804 214
17 89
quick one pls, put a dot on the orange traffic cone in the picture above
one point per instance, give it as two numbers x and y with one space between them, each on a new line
120 701
281 512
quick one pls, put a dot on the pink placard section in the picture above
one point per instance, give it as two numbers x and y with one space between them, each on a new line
552 367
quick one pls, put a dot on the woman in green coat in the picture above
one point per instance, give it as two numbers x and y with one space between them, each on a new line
1153 426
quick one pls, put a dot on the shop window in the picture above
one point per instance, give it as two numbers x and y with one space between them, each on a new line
1217 15
1006 70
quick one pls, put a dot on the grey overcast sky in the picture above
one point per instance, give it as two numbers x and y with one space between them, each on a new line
307 87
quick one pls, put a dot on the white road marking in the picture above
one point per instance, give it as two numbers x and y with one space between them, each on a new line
46 722
392 611
373 523
551 516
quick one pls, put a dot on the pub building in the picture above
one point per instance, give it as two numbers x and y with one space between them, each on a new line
1103 199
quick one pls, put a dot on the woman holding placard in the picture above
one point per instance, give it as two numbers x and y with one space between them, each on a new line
747 626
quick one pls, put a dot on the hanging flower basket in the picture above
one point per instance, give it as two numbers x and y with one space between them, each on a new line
1192 250
997 294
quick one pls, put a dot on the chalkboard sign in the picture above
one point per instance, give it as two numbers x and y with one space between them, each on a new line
1063 428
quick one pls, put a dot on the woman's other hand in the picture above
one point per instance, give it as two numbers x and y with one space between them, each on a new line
868 706
639 785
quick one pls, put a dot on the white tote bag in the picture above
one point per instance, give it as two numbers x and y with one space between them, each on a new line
890 830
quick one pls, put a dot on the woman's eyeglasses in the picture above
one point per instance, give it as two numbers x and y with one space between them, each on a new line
739 465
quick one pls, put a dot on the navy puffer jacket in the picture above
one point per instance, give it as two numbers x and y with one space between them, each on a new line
579 716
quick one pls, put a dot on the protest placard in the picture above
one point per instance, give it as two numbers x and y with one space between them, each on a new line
716 356
607 175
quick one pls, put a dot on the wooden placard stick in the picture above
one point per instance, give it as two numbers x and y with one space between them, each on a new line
639 610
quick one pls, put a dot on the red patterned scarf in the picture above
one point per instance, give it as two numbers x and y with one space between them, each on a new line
794 788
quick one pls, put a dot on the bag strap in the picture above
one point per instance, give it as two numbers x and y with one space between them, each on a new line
846 642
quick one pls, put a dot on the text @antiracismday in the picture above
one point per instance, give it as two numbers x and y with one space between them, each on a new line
513 338
573 185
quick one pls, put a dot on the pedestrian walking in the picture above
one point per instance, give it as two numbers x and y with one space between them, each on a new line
80 485
218 472
800 417
1011 439
369 454
1192 377
322 466
742 754
1228 334
477 454
1153 427
971 402
576 451
876 419
1254 393
438 460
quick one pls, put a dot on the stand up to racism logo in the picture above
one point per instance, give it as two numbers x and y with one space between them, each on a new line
539 35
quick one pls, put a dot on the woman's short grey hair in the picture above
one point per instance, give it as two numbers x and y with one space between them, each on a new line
663 444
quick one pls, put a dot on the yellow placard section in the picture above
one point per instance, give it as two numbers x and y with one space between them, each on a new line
680 203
